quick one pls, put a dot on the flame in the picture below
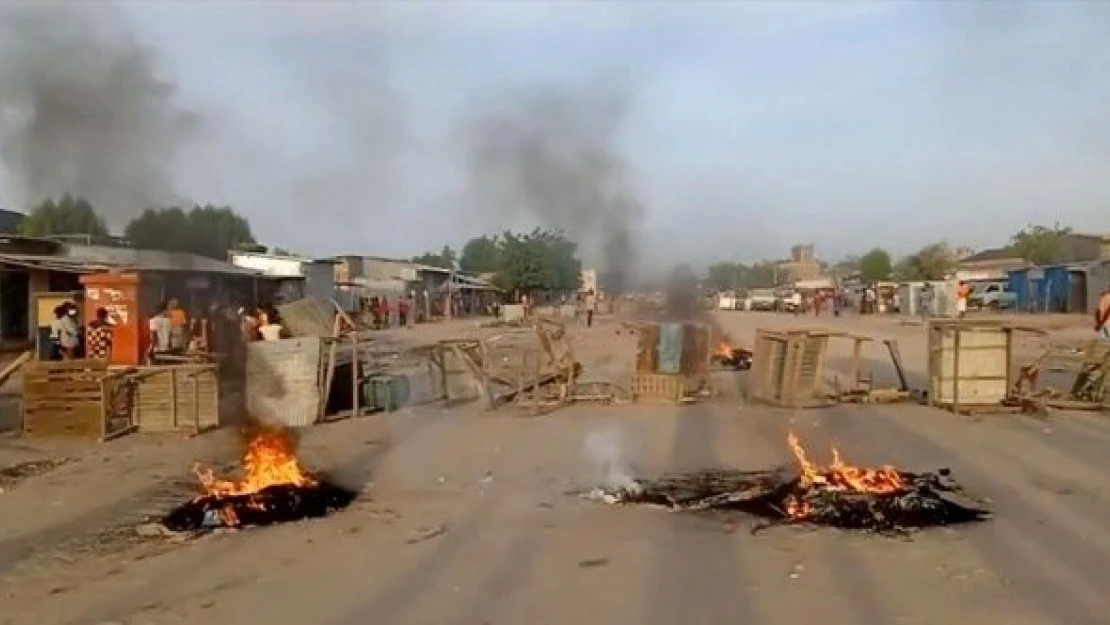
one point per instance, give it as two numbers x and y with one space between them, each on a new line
724 349
270 459
838 476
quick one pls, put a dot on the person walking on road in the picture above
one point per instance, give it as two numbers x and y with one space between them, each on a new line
591 307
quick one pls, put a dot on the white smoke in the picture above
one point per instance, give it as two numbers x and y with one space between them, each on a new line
606 452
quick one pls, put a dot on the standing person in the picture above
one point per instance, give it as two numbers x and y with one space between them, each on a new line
179 326
963 292
1102 314
98 337
591 307
161 331
796 302
69 334
248 325
403 311
56 332
383 312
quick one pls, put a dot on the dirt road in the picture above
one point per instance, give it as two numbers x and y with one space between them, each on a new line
515 548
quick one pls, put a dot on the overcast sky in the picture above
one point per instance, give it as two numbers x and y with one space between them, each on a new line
335 126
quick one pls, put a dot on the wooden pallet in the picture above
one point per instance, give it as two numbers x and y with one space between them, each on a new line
71 398
661 387
788 368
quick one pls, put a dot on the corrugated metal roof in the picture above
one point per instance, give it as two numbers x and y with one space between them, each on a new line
93 258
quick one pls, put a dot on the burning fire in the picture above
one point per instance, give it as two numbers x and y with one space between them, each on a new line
724 349
839 477
270 459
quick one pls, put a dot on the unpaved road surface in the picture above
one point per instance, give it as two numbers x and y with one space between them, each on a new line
515 548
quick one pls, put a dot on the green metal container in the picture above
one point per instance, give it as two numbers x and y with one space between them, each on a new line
385 392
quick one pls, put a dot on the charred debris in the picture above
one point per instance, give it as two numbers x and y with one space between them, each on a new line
274 489
884 500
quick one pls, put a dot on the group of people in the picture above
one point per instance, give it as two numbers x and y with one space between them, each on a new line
69 341
380 310
174 333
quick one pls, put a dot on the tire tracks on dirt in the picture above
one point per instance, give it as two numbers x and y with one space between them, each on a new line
1032 534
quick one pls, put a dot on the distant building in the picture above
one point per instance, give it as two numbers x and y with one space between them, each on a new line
10 221
589 281
992 264
803 265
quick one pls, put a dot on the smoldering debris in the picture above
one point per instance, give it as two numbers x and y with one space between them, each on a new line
553 154
605 451
884 500
84 110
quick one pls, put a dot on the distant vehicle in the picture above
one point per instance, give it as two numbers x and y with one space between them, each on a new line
992 296
761 299
729 301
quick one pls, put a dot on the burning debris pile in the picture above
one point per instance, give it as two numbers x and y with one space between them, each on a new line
730 357
883 500
274 489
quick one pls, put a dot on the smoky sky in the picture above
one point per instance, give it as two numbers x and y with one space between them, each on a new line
83 110
748 127
553 153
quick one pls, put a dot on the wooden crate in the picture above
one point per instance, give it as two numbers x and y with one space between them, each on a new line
647 349
68 398
969 363
176 398
660 387
788 368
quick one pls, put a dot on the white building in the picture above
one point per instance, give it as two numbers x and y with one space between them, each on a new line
589 281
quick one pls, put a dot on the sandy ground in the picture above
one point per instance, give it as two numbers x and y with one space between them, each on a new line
517 549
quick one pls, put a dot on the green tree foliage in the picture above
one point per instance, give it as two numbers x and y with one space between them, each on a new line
444 259
762 275
480 255
725 276
932 262
541 260
875 265
1042 245
204 230
68 215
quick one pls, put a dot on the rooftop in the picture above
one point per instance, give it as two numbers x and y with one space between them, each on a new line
94 258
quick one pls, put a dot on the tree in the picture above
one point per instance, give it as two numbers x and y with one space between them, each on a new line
444 259
725 276
204 230
932 262
69 215
875 265
761 275
1042 245
480 255
542 260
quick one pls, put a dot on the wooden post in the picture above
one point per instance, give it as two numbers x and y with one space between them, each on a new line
857 349
958 330
196 402
354 375
173 397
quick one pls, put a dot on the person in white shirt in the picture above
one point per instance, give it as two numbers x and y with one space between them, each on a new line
69 334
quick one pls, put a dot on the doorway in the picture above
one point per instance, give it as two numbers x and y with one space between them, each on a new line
15 292
1077 292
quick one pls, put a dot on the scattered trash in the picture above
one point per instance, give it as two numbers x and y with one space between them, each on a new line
422 534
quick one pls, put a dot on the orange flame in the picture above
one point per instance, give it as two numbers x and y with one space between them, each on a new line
838 476
724 349
270 459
